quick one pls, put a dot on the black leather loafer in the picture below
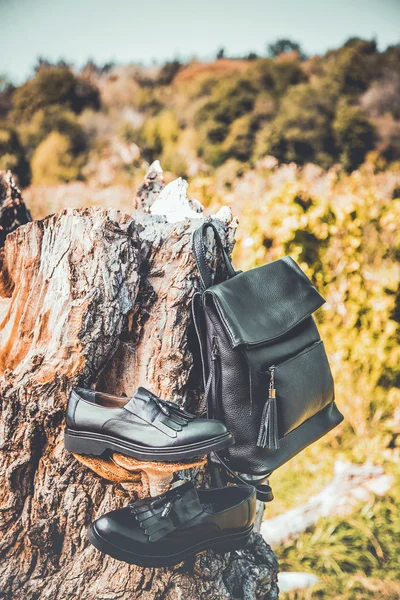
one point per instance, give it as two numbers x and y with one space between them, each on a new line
144 427
167 529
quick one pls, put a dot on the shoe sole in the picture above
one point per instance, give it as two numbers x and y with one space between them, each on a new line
97 444
221 545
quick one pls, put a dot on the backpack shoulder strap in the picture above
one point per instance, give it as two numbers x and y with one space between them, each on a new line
199 250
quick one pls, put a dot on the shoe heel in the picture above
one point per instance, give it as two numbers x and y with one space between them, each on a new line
83 445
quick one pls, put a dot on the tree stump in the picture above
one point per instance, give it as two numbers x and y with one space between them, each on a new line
94 297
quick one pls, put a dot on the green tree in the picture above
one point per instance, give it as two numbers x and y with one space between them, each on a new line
363 46
50 86
6 91
354 67
230 99
355 135
284 46
288 74
302 130
390 59
275 78
168 72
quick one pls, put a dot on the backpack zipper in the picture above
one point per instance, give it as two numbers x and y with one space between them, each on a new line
214 349
272 389
215 377
211 379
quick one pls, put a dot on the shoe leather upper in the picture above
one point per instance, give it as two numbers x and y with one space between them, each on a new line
179 519
145 419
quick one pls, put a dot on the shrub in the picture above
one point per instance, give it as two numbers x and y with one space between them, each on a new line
228 173
175 162
120 90
388 136
263 74
148 102
12 154
264 108
288 73
54 162
159 134
53 118
160 130
127 132
383 97
239 142
390 59
354 134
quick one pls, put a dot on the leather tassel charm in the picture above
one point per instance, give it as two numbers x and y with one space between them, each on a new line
268 434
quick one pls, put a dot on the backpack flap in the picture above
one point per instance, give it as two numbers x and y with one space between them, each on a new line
265 303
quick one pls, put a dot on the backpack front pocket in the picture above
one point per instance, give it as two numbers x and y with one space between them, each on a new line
295 390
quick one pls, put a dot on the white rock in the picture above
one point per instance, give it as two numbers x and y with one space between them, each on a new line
224 214
295 581
173 203
155 167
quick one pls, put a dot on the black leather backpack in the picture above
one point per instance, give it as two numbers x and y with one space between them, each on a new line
265 370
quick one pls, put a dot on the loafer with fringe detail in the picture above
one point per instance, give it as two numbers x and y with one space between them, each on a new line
167 529
144 427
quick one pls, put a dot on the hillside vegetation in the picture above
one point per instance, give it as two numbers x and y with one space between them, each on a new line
198 117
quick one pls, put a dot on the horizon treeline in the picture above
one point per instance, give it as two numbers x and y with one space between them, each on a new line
332 109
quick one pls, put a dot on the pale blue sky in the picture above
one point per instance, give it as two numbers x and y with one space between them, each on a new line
146 30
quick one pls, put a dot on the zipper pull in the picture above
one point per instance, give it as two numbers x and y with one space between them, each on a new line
272 389
214 350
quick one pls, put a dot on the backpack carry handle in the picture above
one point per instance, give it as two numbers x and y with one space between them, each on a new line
263 489
199 250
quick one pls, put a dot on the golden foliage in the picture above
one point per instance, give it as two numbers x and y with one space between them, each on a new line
53 161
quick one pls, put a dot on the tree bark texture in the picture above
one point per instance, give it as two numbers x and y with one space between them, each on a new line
97 298
13 211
